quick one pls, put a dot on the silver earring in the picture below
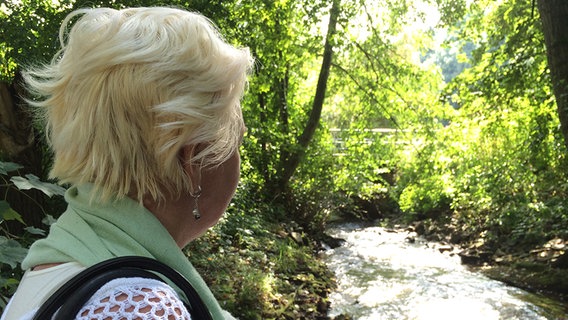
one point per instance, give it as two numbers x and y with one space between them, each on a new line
195 195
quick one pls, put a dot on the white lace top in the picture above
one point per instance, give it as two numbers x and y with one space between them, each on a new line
134 299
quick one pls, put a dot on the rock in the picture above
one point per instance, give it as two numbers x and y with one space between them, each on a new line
297 237
445 248
474 257
556 244
431 229
419 228
456 237
332 242
435 237
499 253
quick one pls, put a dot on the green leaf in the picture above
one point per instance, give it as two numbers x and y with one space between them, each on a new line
33 182
48 220
7 213
11 252
6 167
36 231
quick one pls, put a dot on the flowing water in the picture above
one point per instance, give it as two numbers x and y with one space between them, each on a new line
381 275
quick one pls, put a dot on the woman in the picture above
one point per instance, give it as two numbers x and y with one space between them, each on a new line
143 116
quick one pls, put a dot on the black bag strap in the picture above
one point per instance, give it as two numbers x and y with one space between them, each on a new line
70 297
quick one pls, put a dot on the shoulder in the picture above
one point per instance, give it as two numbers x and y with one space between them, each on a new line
134 298
36 286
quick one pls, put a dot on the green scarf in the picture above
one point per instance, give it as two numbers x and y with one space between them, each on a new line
89 232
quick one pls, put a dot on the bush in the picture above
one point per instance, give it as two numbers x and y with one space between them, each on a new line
13 245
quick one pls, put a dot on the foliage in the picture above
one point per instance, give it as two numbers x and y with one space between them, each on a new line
382 98
28 30
286 39
499 161
13 246
313 192
507 96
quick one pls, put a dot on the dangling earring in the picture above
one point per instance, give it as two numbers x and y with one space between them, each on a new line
196 213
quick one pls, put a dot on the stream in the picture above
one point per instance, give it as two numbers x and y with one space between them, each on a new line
382 275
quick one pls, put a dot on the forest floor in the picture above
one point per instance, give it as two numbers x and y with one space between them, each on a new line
264 270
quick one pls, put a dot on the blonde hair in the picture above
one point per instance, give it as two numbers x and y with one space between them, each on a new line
129 89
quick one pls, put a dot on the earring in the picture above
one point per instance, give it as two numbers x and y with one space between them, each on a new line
196 213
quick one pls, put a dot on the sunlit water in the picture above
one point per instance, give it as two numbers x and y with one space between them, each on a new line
380 275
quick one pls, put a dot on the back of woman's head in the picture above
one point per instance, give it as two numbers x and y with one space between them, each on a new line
129 89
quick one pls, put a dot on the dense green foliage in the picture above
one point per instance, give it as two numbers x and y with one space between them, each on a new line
464 130
15 234
499 164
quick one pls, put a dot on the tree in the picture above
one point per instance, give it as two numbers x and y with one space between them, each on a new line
554 18
280 109
291 160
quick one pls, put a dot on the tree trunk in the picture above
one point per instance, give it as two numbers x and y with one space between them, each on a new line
295 156
264 155
18 144
16 135
554 18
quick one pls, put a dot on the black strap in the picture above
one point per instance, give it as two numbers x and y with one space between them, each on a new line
77 300
70 297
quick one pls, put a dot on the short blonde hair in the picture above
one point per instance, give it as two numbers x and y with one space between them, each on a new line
129 89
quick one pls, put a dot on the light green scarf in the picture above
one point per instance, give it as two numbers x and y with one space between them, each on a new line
89 232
